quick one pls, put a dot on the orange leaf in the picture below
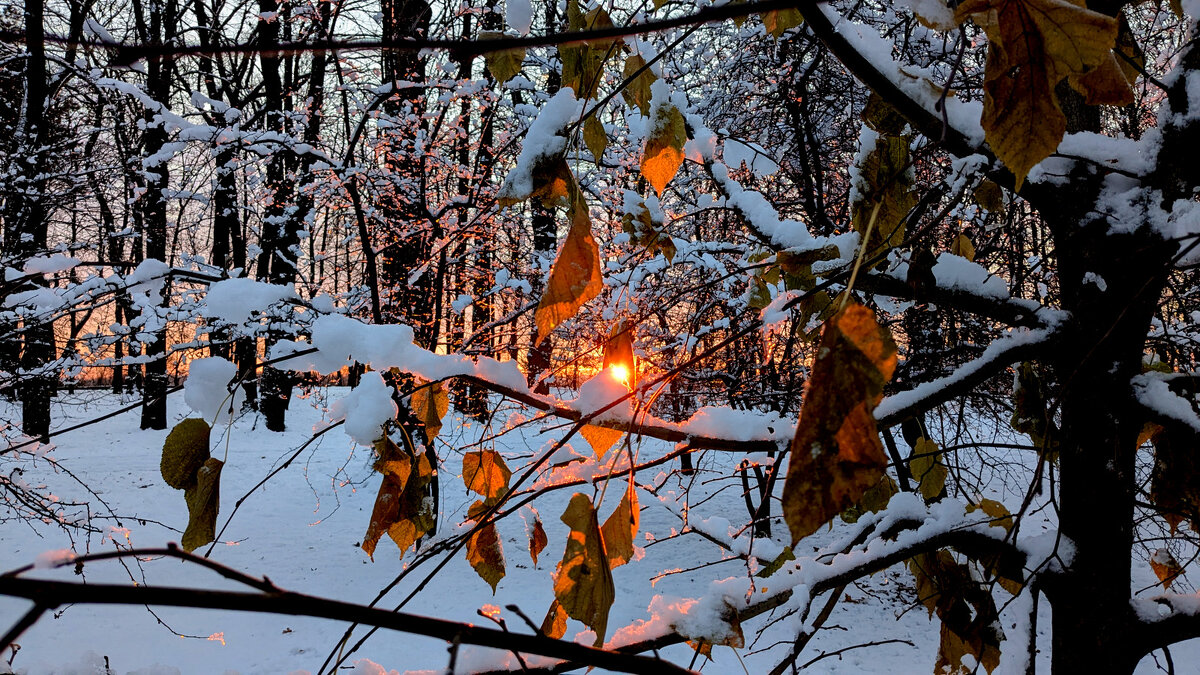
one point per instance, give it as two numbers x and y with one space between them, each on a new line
575 277
537 540
620 529
1165 567
618 351
1034 45
663 154
486 473
836 454
430 404
486 555
555 624
583 584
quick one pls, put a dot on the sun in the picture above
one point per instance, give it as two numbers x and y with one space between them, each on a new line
620 373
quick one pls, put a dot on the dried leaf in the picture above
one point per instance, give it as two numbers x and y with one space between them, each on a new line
637 92
595 137
575 277
836 455
1165 567
537 540
884 196
1030 414
874 500
404 511
429 404
505 64
963 248
989 195
583 584
486 473
555 624
486 555
203 502
778 21
999 513
620 529
663 154
1173 485
1034 45
600 438
882 117
184 451
1111 83
927 469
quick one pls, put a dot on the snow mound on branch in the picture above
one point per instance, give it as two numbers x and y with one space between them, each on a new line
519 15
235 300
206 390
600 391
365 409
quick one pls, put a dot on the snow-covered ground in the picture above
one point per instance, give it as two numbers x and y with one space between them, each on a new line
304 527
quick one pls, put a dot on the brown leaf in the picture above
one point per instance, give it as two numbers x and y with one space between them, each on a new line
203 502
927 469
600 438
778 21
637 93
836 454
486 473
505 64
663 154
1034 45
595 137
583 584
184 451
1165 567
576 276
989 195
884 194
620 529
537 540
402 509
1111 83
1173 485
486 555
963 248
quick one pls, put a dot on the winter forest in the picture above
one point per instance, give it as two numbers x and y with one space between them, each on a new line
537 336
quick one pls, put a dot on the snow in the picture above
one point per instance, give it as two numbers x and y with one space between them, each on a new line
235 301
599 392
543 141
739 425
206 390
519 15
365 409
1152 391
51 264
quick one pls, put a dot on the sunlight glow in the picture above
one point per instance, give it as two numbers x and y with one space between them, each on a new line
620 372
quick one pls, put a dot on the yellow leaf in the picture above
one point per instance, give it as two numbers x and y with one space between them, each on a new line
486 473
575 277
663 154
505 64
836 455
996 511
874 500
537 540
555 624
203 502
600 438
1111 83
429 404
1034 45
884 194
595 137
620 529
403 510
1165 567
184 451
583 584
637 92
963 248
486 555
928 470
778 21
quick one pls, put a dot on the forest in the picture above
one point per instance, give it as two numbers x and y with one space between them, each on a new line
879 320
